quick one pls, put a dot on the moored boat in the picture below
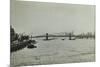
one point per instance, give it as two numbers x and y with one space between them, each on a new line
31 46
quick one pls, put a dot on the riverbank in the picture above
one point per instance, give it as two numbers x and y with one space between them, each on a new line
20 45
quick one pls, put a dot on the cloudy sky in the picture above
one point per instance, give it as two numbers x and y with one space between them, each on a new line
39 17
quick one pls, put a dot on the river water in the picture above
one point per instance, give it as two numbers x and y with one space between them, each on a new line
55 52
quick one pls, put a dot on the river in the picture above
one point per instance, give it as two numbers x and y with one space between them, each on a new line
55 52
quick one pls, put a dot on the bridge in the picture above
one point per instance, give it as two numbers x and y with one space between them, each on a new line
70 35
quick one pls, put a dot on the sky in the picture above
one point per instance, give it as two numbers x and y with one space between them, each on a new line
38 17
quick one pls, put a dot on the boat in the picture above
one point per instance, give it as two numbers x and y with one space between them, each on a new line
31 46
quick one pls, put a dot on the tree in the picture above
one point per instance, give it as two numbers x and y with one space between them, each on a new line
13 35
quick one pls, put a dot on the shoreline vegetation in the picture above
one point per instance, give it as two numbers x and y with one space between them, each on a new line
20 41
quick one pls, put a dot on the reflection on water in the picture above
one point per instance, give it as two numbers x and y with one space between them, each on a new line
55 51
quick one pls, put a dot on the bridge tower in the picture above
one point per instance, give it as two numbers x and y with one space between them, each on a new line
70 36
46 36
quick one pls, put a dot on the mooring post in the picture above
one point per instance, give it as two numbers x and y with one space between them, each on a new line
46 36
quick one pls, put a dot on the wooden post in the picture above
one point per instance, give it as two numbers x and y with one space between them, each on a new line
46 36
